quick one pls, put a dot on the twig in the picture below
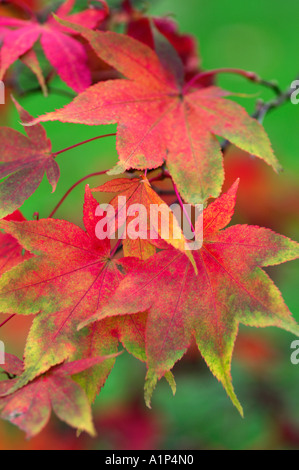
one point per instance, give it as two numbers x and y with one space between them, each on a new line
7 320
83 143
117 248
262 109
253 77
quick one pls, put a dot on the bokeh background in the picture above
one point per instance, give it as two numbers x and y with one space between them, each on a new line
261 36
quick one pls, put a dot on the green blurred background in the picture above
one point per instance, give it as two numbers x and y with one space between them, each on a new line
262 36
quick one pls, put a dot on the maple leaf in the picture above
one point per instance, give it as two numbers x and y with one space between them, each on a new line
141 27
30 407
139 191
12 367
230 288
11 252
71 277
162 119
65 53
25 159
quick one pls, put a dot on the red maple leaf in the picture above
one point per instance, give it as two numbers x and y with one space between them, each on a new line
11 252
25 159
71 277
65 53
161 118
230 288
140 27
30 407
138 192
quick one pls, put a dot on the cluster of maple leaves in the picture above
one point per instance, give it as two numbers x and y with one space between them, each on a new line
157 298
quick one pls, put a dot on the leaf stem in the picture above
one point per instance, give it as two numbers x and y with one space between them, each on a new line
252 76
262 109
117 246
7 320
82 143
22 5
183 207
99 173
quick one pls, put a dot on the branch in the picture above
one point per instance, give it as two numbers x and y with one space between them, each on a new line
262 108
